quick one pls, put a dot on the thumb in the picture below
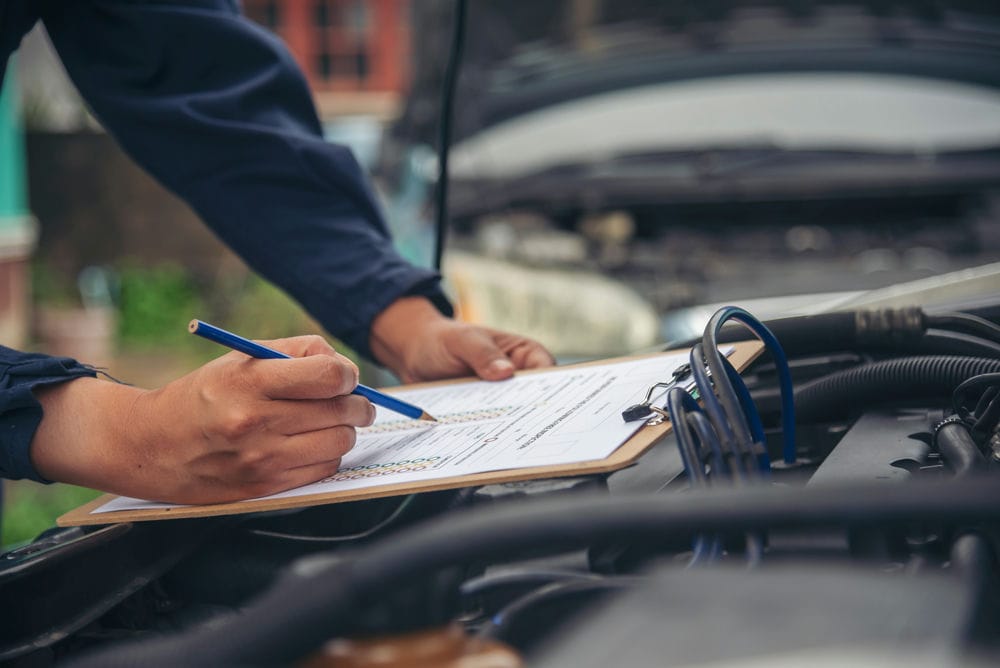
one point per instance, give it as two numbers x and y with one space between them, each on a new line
480 352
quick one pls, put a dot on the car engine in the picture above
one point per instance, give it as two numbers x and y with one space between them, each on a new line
871 534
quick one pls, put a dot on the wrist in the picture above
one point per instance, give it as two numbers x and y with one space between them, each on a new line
86 433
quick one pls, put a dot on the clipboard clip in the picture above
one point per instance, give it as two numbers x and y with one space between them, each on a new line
646 408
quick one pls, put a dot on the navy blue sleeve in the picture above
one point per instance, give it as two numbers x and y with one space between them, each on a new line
216 109
20 412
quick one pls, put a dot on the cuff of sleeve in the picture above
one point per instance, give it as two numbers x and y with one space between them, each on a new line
21 412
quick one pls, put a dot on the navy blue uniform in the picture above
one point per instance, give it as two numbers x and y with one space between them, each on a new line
216 109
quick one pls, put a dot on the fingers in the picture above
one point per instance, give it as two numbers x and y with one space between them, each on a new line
301 346
524 353
275 483
317 447
303 416
314 377
477 348
528 354
267 467
316 372
304 475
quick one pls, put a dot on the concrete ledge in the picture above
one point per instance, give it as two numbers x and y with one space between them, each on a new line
18 236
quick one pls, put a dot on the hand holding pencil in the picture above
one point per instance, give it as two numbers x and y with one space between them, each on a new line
240 427
254 349
235 428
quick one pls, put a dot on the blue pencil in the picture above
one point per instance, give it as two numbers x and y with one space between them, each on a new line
236 342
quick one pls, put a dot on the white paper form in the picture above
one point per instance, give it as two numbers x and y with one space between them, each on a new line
560 416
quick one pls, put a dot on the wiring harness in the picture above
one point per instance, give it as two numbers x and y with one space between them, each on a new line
725 439
723 442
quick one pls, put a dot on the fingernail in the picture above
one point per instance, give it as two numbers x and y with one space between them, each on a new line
500 366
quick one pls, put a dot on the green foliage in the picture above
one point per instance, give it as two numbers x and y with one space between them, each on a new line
155 305
30 508
262 311
51 287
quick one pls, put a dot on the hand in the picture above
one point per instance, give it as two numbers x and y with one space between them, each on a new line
417 343
235 428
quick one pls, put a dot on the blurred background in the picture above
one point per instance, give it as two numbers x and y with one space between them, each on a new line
619 168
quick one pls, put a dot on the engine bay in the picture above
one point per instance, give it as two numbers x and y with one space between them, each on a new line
876 542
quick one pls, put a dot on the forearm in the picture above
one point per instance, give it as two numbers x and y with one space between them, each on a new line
86 436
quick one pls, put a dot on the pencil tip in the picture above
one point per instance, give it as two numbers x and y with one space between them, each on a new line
428 417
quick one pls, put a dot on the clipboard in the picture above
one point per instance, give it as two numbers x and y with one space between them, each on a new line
627 453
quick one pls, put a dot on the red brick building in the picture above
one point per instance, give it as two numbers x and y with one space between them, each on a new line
355 53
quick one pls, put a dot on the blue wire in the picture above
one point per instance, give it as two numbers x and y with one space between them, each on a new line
780 362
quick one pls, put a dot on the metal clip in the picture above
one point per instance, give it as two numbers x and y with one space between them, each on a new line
645 409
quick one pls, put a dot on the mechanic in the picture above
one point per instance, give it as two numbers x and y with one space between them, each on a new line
216 109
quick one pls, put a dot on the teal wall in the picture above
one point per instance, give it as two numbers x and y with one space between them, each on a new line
13 202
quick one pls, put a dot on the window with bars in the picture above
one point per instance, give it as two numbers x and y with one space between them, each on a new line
352 45
343 41
264 12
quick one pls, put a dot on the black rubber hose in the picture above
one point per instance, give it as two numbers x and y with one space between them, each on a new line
960 452
973 556
906 329
802 334
840 330
901 379
319 599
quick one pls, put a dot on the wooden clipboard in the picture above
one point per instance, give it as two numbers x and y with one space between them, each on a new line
626 454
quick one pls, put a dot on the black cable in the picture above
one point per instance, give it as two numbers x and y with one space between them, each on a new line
723 389
706 434
344 538
686 444
716 414
444 135
985 417
947 342
965 322
485 584
900 379
984 401
987 422
978 381
318 602
499 627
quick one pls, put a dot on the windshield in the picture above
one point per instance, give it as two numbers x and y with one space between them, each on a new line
620 166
